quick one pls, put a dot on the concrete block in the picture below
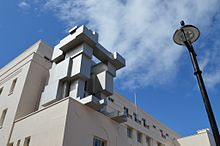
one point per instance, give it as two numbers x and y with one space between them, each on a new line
77 89
81 49
62 70
93 102
104 83
100 67
118 60
51 73
57 55
51 93
81 67
81 34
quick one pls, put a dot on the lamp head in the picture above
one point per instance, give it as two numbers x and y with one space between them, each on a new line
187 33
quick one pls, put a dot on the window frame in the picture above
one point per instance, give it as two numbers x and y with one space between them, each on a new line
148 140
12 88
18 143
10 144
3 116
126 111
102 141
129 132
139 137
27 141
1 90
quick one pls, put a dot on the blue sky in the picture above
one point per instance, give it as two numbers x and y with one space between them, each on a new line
158 71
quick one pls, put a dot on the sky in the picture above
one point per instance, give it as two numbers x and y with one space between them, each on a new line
157 70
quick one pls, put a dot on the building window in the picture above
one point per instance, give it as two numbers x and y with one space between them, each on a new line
110 99
18 143
148 141
12 86
1 89
126 111
144 123
27 141
10 144
135 117
139 137
162 134
129 132
159 144
99 142
3 117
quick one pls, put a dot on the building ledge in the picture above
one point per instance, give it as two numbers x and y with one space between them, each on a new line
93 102
117 116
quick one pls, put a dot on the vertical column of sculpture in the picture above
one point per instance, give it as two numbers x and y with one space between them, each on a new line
55 89
102 79
81 69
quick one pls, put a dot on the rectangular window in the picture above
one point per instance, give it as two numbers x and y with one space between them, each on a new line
129 132
110 99
1 89
12 86
139 137
159 144
148 141
3 117
126 111
135 117
99 142
27 141
18 143
162 134
10 144
144 123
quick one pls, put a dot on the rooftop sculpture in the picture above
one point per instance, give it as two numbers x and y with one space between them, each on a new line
75 74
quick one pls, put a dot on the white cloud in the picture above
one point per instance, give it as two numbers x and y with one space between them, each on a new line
212 79
23 5
141 30
211 65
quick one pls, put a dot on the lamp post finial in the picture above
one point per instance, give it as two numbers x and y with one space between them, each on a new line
182 23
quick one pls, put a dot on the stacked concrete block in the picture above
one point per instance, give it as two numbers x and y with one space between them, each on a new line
75 74
54 90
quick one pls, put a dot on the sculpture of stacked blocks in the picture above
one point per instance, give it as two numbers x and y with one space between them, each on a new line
76 75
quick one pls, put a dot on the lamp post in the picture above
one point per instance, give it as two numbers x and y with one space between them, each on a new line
186 35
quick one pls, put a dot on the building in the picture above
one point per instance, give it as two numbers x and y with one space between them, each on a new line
203 137
64 97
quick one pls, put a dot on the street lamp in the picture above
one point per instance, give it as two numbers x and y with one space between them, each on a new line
187 35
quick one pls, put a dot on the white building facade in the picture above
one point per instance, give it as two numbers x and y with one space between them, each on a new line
64 97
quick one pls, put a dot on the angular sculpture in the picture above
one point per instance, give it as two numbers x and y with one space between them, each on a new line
74 72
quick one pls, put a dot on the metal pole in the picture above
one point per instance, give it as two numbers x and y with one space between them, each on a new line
198 74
